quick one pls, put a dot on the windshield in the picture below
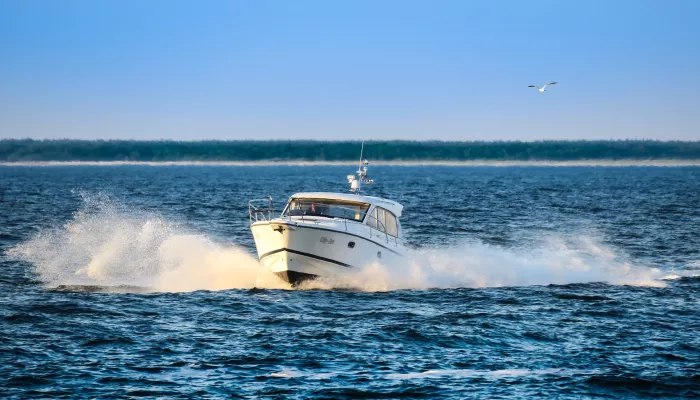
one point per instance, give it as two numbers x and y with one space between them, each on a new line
326 208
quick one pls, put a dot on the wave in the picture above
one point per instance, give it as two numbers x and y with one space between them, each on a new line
106 245
479 265
449 373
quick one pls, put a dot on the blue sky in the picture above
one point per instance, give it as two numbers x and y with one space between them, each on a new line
452 70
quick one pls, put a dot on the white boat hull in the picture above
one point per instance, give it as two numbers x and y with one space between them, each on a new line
298 251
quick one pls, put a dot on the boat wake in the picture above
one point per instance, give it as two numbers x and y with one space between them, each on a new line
105 248
108 248
479 265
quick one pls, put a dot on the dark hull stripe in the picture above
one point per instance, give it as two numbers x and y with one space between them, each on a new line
336 231
269 253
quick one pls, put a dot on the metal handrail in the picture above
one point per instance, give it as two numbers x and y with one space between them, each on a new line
257 214
381 225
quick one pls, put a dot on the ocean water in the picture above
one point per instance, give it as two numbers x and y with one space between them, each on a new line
529 282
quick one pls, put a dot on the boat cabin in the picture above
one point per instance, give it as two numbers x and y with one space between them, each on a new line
380 214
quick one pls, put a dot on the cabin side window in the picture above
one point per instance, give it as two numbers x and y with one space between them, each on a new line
372 219
384 221
391 225
380 219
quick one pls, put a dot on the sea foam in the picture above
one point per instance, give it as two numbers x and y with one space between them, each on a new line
109 245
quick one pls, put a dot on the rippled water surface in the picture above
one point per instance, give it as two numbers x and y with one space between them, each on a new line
529 282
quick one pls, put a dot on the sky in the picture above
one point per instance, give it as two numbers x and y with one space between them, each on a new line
343 70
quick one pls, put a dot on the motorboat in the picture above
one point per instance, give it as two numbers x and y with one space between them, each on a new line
325 234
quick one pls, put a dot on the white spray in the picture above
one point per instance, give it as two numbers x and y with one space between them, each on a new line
104 246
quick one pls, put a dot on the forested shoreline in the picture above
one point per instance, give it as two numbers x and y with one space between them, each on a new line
28 150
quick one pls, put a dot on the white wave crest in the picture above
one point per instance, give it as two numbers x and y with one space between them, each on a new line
105 245
477 265
102 245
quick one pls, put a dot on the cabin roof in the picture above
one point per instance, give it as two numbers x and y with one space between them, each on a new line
390 205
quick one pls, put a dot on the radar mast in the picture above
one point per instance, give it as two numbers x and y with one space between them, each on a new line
357 181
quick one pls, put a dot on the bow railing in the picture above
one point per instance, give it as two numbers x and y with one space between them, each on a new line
260 210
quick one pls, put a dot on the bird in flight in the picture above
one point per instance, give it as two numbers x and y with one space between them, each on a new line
543 88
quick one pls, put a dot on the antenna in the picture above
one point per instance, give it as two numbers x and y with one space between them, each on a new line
356 182
362 149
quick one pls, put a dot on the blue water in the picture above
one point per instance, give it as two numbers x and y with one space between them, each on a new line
530 282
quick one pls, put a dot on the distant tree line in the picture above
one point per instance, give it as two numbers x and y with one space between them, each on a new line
16 150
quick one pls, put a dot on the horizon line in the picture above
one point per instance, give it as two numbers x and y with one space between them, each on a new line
350 140
669 162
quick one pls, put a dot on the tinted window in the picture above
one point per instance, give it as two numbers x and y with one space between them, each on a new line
326 208
381 218
372 221
392 227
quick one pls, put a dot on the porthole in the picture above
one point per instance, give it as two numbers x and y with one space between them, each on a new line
351 245
379 254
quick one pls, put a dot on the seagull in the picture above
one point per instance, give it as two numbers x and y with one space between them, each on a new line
543 88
